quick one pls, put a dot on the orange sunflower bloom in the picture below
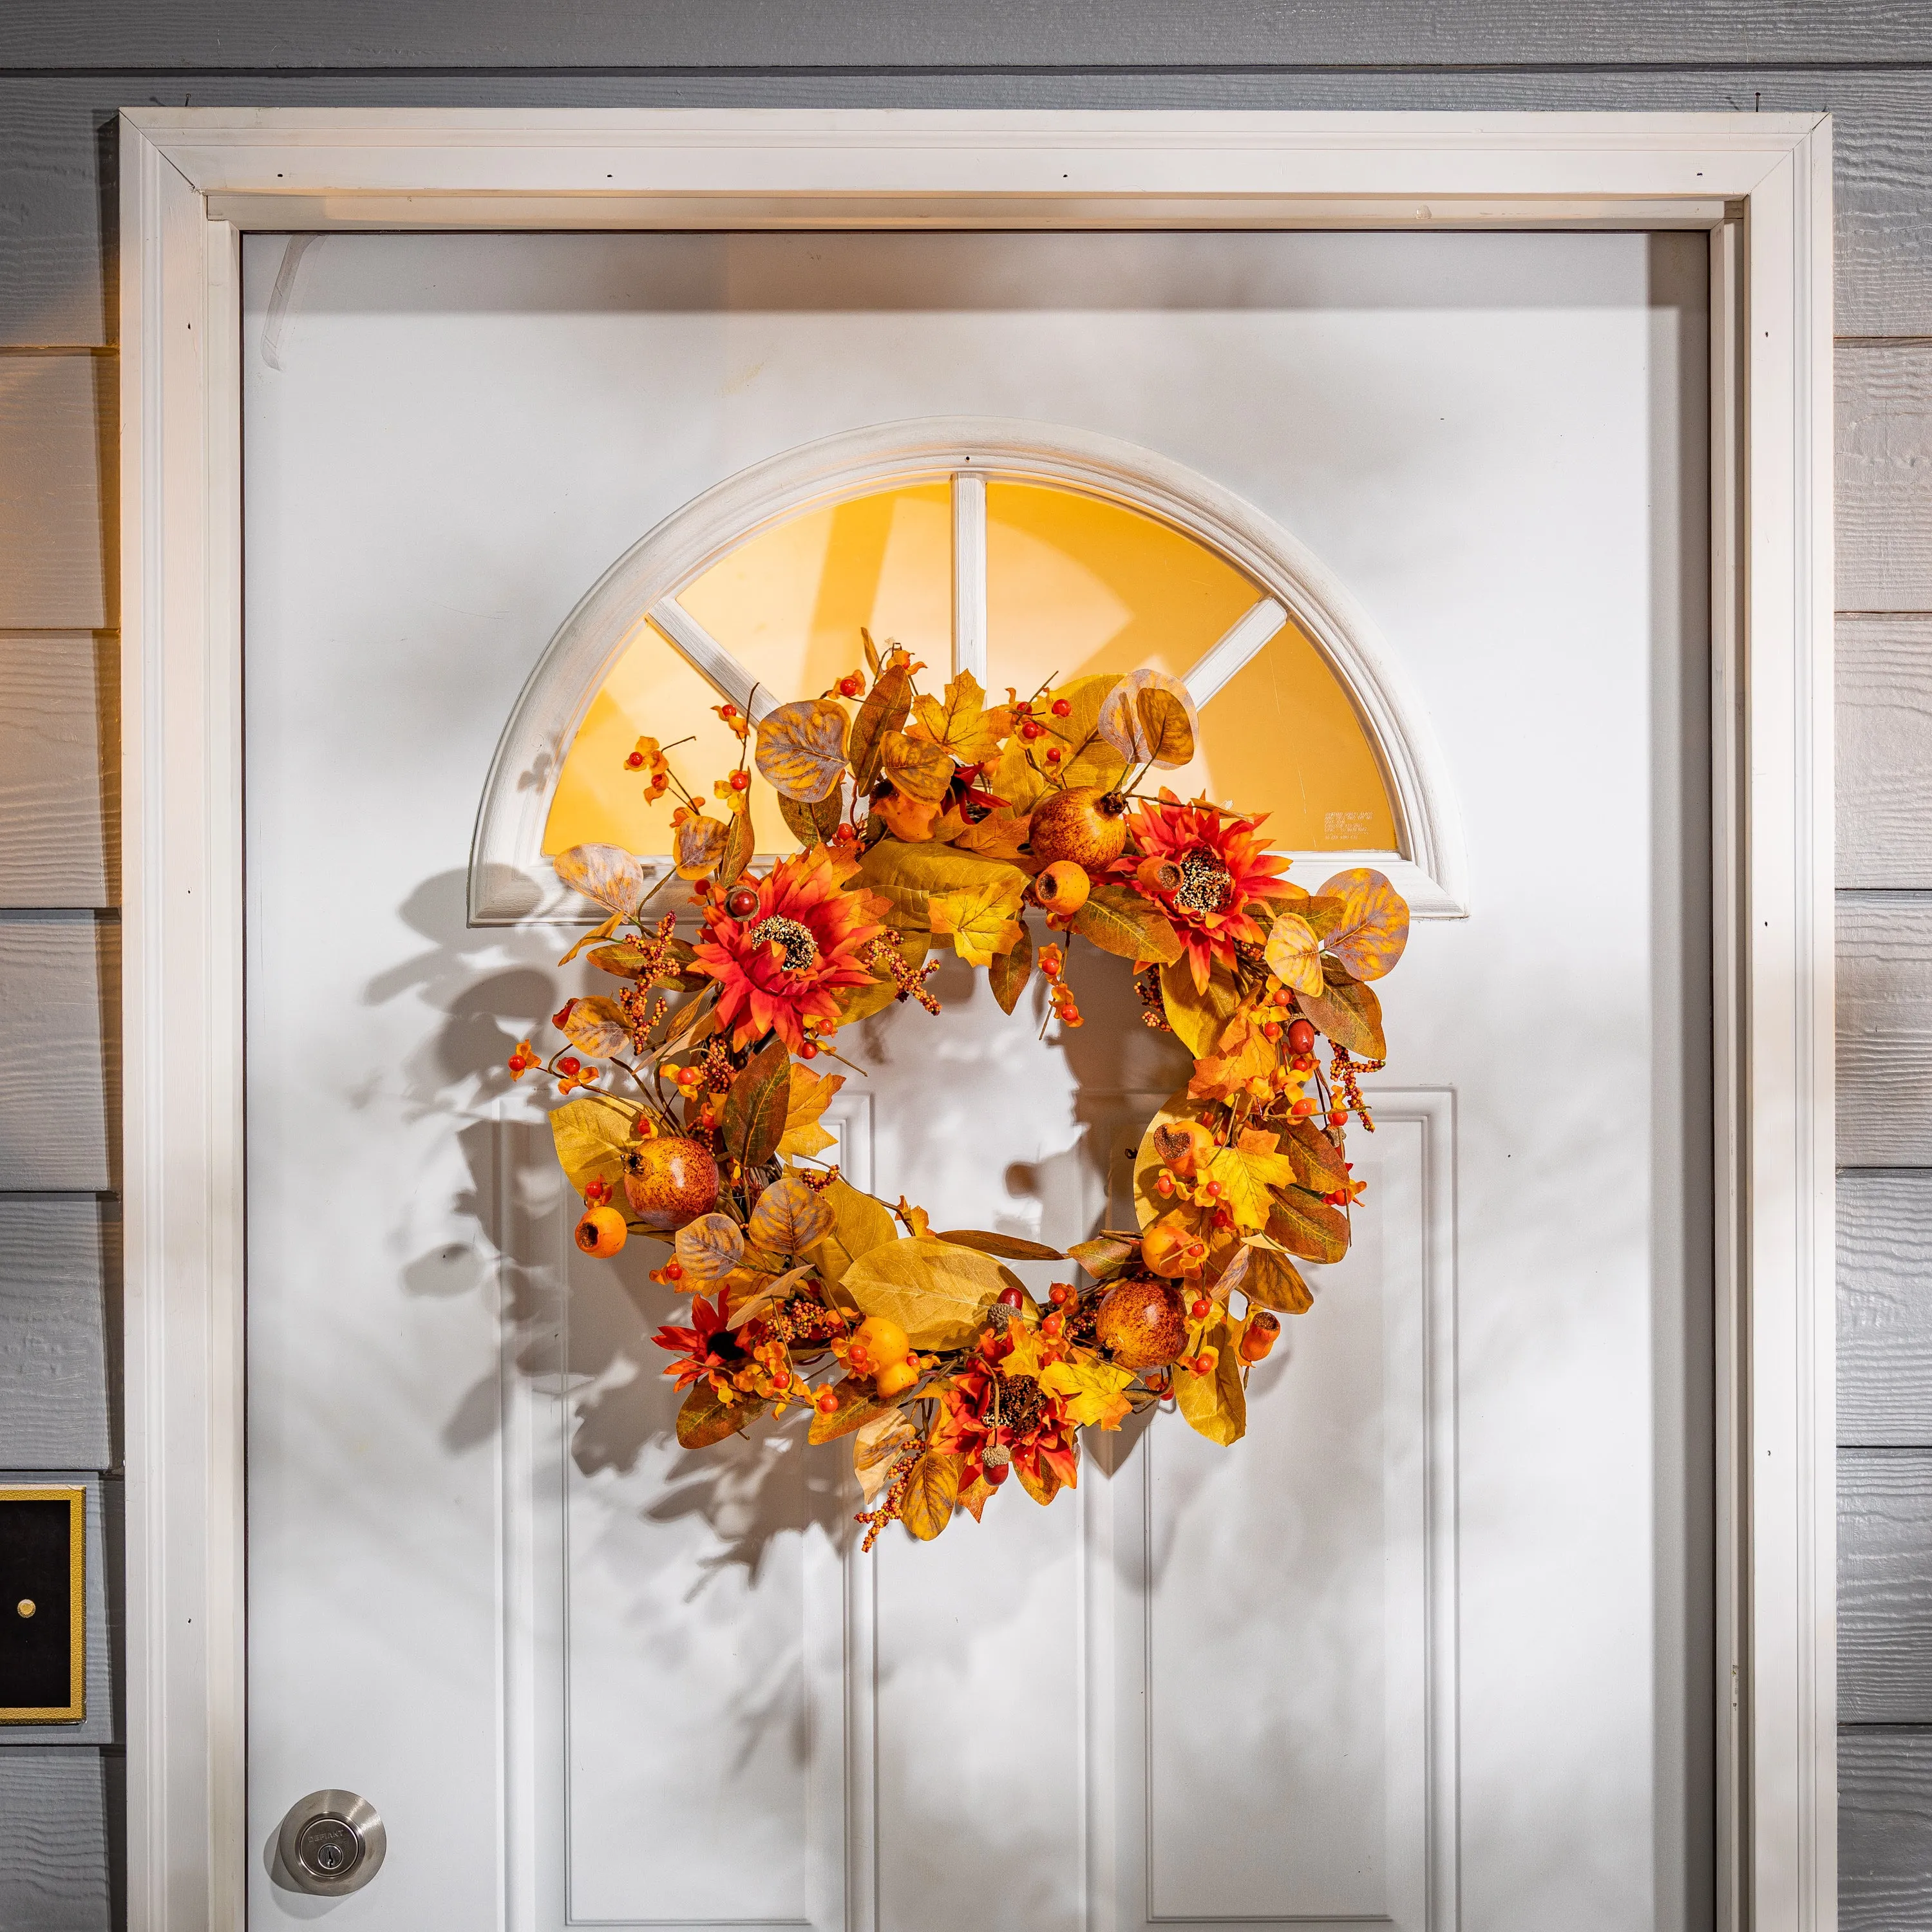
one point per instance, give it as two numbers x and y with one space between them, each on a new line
1223 868
788 960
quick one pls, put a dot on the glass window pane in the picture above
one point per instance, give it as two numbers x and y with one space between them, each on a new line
1077 585
787 604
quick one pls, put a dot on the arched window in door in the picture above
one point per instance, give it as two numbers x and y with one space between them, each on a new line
1024 554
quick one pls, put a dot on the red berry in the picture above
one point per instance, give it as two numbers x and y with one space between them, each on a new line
570 1063
1301 1037
1053 755
727 712
635 761
851 684
674 1270
1338 1117
740 779
1197 1309
1023 709
809 1051
1061 708
1030 730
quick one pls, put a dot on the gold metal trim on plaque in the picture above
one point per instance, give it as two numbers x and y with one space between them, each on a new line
74 1710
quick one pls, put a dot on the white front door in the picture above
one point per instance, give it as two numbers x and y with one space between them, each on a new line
1431 1646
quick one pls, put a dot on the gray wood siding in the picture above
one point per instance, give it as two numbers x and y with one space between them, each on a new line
59 1278
63 71
888 34
53 1842
1885 753
1885 1307
60 997
58 432
60 809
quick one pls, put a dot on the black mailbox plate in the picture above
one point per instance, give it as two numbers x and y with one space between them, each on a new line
43 1565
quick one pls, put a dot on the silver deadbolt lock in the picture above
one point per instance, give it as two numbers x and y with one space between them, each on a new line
331 1843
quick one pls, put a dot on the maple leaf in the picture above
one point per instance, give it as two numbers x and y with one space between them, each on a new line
810 1094
999 835
1095 1393
1247 1172
1244 1053
983 920
961 722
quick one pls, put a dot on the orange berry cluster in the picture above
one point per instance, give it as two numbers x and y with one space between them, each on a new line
1053 967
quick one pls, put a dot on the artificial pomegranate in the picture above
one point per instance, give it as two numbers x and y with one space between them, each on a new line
1086 825
670 1180
1142 1324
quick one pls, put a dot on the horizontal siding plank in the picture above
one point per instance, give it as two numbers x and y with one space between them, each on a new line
1884 1586
57 454
1884 675
56 218
59 761
1884 1830
1885 1029
60 1069
59 1278
1884 517
104 1592
814 33
1885 1307
53 1842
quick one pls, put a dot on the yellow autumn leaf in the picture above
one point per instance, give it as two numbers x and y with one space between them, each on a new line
1000 835
1293 954
1244 1053
801 748
699 844
1149 718
1247 1172
608 874
1369 937
983 921
810 1093
1198 1014
859 1224
916 766
709 1248
930 1493
938 1293
1262 1270
592 1135
1215 1405
961 722
908 876
1095 1393
790 1217
1148 1206
597 1026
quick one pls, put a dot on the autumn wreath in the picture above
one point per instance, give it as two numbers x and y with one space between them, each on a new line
920 819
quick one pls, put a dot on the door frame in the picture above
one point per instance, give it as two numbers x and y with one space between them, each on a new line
193 181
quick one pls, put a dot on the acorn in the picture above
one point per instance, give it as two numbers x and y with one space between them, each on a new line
1142 1324
1086 825
602 1231
670 1180
1301 1037
741 901
1063 888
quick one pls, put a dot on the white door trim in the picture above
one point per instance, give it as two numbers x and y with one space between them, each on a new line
192 179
